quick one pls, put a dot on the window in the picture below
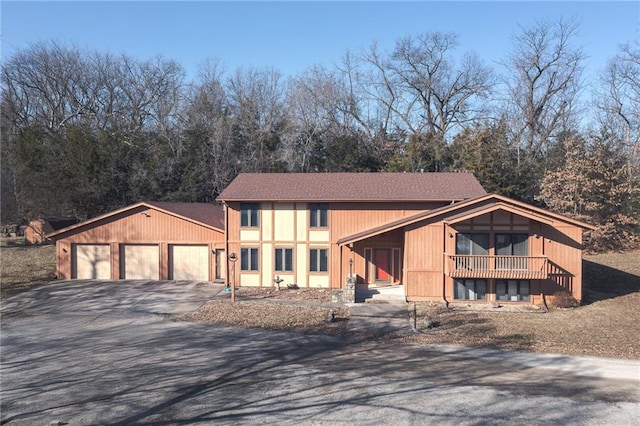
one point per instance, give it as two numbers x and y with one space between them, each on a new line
512 245
472 245
249 213
248 259
318 260
318 215
284 259
470 289
513 290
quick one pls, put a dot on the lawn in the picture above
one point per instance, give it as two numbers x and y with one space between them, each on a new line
607 324
24 267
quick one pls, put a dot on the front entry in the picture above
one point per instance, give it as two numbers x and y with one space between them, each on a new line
382 265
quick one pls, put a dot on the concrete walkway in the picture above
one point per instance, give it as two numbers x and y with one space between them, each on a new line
379 318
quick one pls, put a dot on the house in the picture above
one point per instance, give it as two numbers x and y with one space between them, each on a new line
439 235
36 229
147 240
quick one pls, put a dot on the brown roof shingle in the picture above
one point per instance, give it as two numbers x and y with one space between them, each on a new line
379 187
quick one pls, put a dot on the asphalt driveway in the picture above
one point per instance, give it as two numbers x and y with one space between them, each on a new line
108 353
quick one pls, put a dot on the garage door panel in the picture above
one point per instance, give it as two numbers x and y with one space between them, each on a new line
189 262
140 262
91 261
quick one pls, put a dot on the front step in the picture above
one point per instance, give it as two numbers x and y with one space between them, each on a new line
386 294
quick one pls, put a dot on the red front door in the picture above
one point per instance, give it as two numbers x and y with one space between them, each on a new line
382 264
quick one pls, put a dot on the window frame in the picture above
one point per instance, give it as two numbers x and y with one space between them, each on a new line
459 235
251 251
510 236
318 213
317 260
507 297
249 215
475 282
286 256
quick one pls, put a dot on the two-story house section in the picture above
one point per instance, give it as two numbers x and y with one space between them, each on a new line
440 235
286 226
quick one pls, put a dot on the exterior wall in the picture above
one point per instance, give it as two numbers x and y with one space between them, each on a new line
563 246
286 225
424 267
138 226
350 218
427 243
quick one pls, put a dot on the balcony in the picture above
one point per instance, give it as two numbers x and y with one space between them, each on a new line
496 267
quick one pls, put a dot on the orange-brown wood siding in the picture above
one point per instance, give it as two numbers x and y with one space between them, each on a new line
350 218
423 269
138 226
426 244
563 247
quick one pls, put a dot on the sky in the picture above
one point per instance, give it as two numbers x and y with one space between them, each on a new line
293 36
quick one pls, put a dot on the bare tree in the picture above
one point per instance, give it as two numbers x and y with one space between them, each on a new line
544 76
256 104
618 101
425 88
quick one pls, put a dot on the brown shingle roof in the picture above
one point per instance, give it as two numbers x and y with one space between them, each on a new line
380 187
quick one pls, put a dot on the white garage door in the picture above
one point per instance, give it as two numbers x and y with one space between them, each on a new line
91 261
189 262
140 262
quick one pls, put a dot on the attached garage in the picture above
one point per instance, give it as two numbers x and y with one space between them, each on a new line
91 261
139 262
145 241
188 262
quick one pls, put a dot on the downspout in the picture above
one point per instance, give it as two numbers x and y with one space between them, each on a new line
226 250
444 256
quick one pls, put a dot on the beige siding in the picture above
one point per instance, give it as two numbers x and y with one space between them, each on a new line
266 222
302 267
319 281
302 221
249 234
284 222
319 236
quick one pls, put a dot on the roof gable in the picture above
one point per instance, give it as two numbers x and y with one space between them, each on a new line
206 214
467 209
359 187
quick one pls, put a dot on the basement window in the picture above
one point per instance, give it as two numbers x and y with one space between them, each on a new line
513 290
470 289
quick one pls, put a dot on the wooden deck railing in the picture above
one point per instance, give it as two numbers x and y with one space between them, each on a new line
500 267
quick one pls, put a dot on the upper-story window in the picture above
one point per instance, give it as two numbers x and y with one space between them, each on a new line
472 244
249 214
512 244
318 213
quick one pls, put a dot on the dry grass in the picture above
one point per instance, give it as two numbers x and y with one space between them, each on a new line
607 324
24 267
